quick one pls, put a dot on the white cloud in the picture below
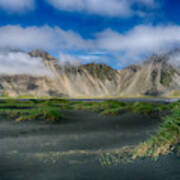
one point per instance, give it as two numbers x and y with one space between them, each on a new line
122 8
89 58
140 40
102 7
17 5
20 63
82 58
175 59
67 59
44 37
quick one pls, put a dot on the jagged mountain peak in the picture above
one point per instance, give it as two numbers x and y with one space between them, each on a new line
153 77
41 53
164 58
157 59
133 68
101 71
38 52
97 66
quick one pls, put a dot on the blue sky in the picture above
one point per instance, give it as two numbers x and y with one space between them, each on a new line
115 32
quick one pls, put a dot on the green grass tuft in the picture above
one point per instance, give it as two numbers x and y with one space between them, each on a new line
167 138
114 107
47 110
143 108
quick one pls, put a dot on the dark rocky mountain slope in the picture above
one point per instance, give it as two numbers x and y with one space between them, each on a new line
155 77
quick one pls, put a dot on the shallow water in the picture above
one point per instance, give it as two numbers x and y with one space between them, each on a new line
151 100
35 150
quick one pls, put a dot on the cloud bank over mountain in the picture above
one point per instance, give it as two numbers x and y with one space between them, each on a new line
124 30
21 63
67 59
141 40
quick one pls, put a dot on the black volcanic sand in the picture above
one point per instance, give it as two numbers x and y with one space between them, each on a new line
40 151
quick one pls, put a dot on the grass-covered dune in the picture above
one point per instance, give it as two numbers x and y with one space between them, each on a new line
51 110
114 107
164 142
45 110
166 139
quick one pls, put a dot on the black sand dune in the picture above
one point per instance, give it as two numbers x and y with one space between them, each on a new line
40 151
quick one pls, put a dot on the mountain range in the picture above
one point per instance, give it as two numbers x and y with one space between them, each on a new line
156 76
